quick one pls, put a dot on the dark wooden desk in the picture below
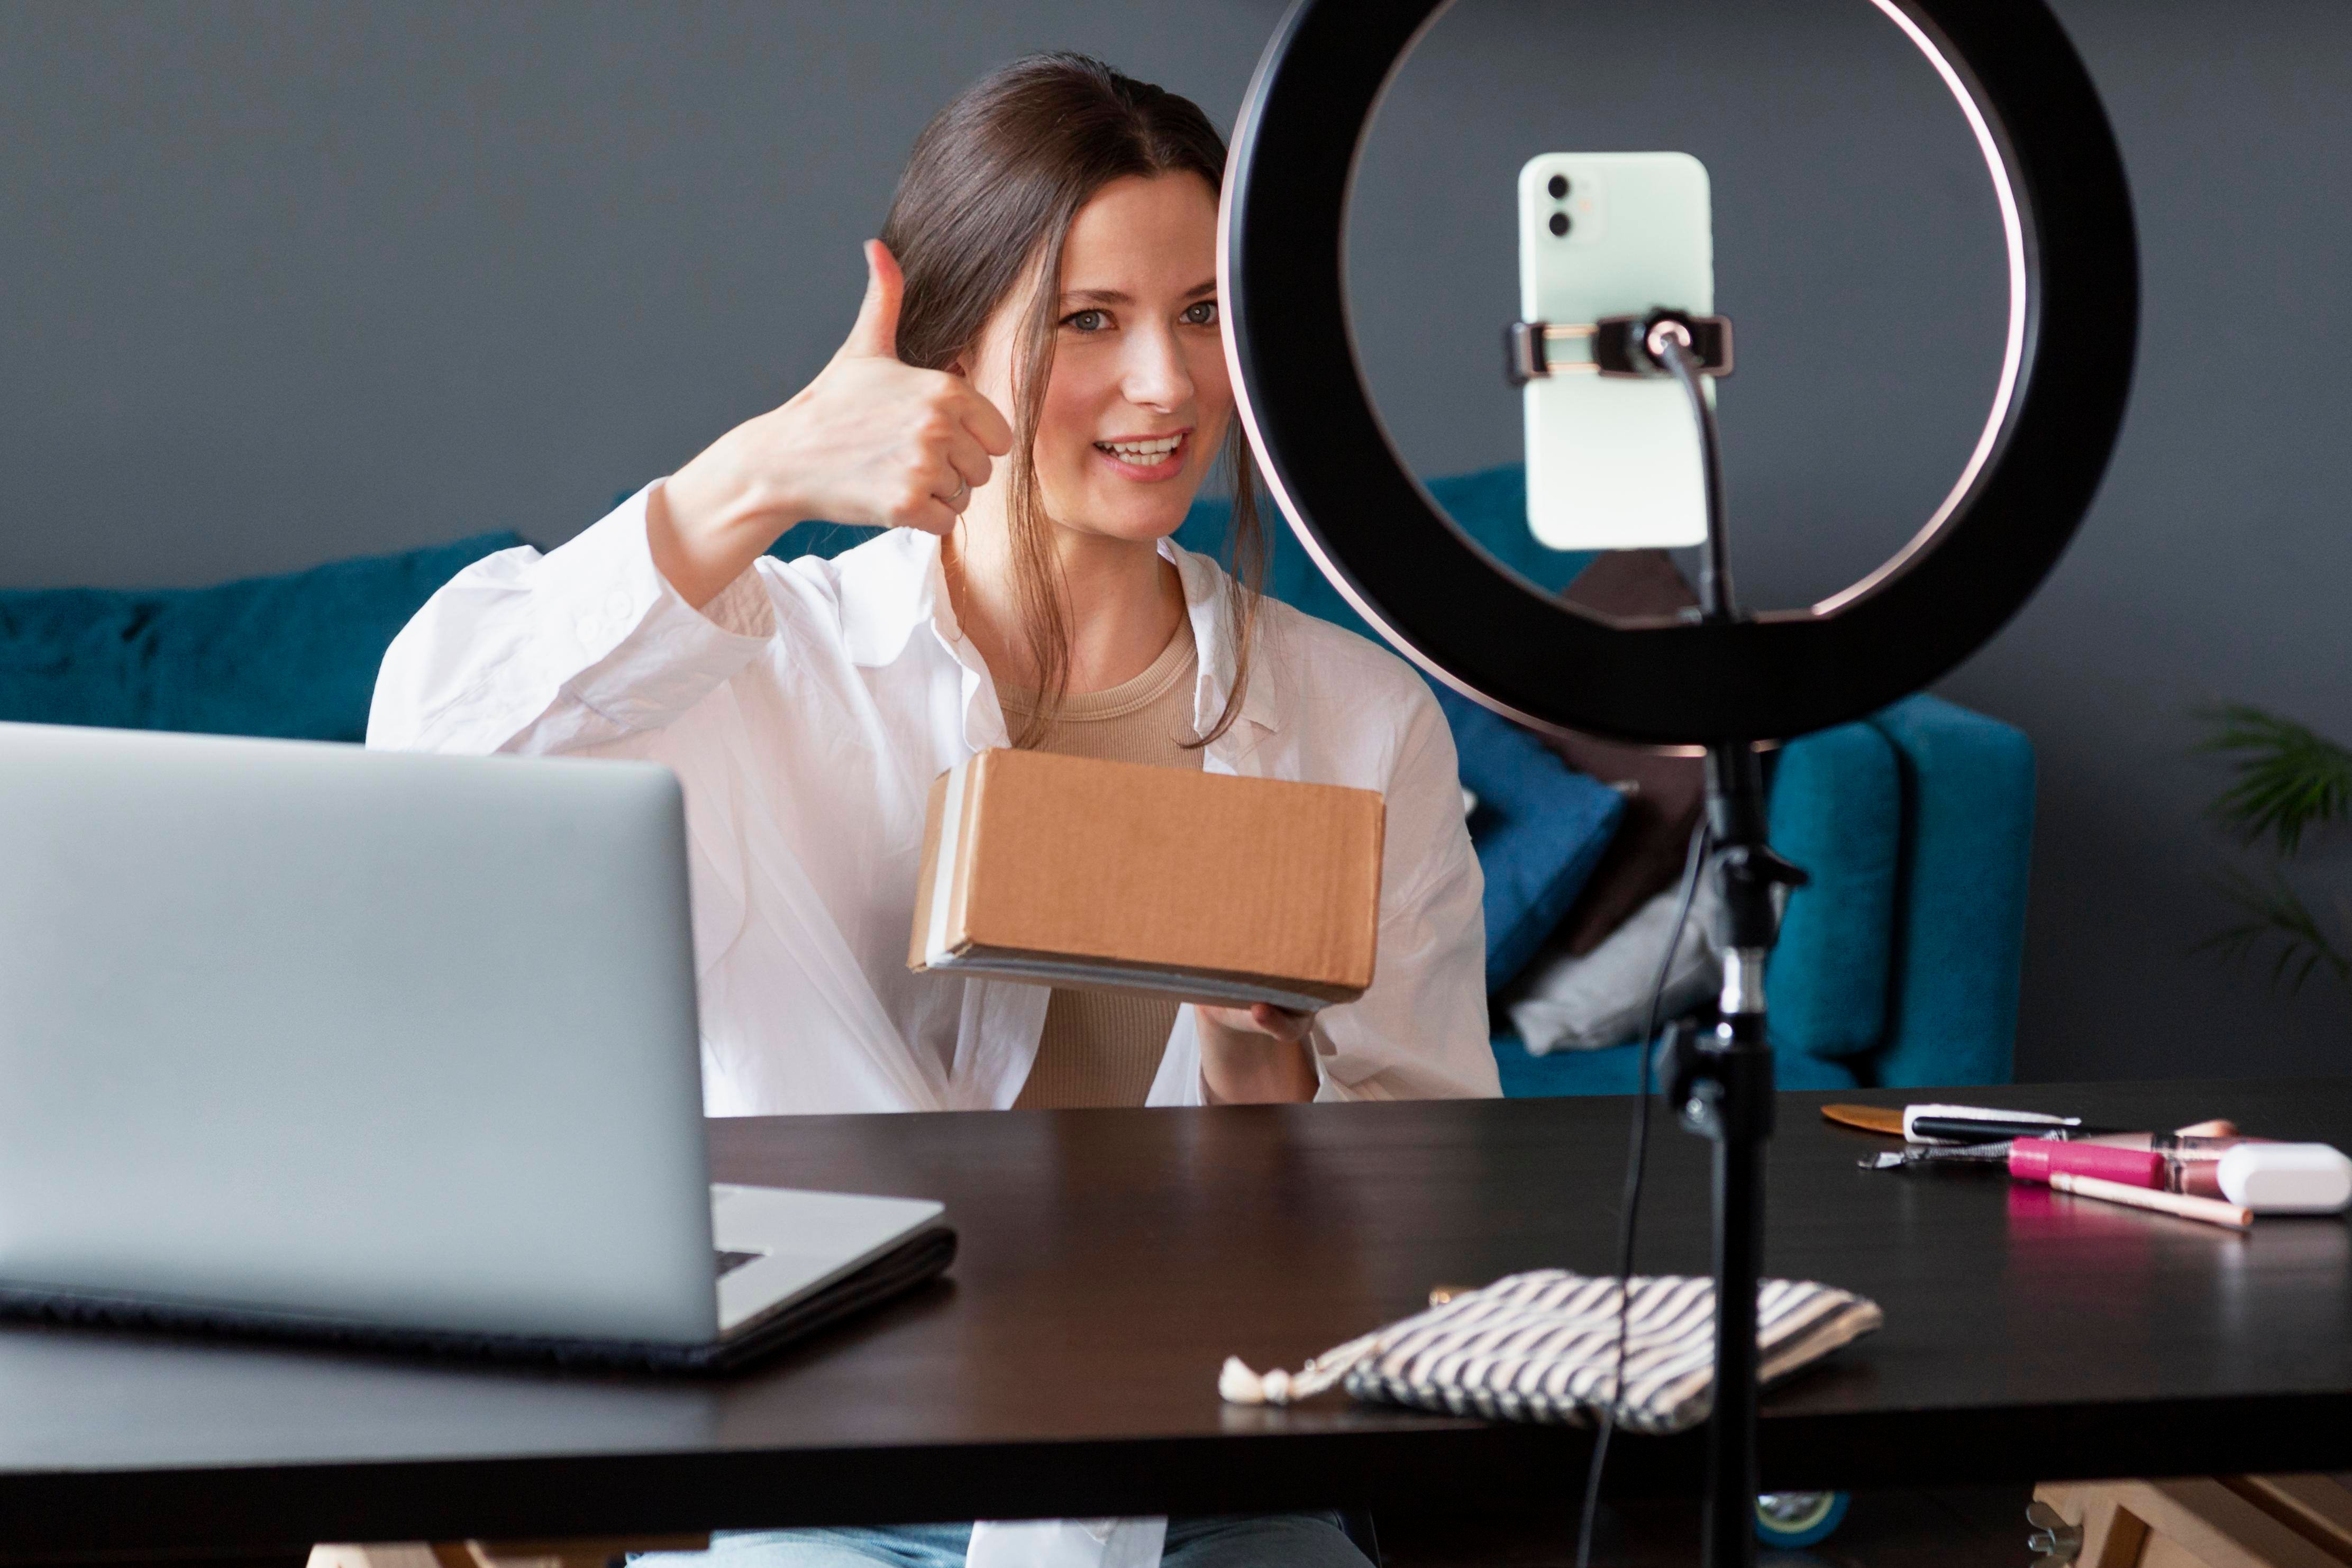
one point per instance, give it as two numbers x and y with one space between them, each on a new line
1111 1259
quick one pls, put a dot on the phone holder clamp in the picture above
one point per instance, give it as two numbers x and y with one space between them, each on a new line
1614 346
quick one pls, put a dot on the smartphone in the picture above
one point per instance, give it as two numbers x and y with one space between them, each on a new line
1613 462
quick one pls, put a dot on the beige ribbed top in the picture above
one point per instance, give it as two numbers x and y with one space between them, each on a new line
1101 1048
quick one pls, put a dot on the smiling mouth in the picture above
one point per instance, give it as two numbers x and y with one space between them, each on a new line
1150 453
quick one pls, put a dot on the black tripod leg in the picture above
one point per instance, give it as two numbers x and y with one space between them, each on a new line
1732 1104
1744 1110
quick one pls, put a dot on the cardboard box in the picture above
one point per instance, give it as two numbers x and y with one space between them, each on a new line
1062 871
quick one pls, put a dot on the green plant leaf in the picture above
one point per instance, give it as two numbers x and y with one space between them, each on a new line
2275 912
2289 777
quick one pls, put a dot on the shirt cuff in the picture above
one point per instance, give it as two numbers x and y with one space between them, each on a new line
643 654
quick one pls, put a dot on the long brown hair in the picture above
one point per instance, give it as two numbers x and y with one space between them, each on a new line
985 205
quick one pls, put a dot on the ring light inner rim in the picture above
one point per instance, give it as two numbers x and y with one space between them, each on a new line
2012 359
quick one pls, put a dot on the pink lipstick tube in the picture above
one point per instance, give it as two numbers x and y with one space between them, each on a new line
2038 1159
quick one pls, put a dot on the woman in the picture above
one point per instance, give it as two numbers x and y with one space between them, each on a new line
1030 406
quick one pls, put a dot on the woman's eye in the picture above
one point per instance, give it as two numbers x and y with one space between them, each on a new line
1204 314
1085 320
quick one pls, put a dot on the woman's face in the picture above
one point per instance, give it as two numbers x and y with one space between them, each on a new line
1139 399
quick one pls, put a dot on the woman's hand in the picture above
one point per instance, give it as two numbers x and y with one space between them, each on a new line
870 440
1255 1054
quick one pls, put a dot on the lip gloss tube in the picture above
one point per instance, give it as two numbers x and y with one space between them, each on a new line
2192 1164
2175 1145
2039 1159
2196 1175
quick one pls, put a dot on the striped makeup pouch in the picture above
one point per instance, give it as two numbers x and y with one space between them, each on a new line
1542 1346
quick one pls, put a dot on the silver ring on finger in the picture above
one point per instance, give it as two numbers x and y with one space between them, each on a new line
963 488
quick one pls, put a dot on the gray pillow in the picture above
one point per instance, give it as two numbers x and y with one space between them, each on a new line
1567 1002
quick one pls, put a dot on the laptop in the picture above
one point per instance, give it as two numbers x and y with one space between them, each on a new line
401 1050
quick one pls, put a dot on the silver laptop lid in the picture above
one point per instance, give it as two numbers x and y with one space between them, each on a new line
397 1037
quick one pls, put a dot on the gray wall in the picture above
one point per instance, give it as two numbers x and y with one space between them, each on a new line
280 283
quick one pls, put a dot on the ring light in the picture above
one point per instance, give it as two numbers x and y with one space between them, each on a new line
2065 374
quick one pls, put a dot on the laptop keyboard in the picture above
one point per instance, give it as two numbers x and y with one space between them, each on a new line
728 1262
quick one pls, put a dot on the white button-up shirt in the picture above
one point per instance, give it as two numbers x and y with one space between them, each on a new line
806 710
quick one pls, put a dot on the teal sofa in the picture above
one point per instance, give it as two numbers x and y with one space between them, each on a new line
1898 965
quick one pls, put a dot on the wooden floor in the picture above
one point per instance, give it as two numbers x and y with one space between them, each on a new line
1977 1527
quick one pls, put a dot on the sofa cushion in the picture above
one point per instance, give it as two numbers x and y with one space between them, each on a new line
1567 1001
291 656
1836 810
1665 792
1539 828
1959 941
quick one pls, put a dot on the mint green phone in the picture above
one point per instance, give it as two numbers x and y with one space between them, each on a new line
1613 463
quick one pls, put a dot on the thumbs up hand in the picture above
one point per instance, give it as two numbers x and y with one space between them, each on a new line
874 333
870 440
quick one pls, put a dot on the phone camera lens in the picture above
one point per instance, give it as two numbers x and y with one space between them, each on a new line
1559 225
1558 186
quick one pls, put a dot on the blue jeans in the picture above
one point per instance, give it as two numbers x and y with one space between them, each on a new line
1228 1540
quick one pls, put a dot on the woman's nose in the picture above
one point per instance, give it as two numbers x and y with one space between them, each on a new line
1156 376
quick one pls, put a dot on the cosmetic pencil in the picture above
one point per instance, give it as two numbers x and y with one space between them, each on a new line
1995 1129
2211 1211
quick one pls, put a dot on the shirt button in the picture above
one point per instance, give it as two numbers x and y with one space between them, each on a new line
586 628
616 606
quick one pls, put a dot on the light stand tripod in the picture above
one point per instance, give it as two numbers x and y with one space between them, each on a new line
1722 1083
1722 678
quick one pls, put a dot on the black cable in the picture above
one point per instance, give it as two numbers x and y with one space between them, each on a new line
1635 1158
1669 344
